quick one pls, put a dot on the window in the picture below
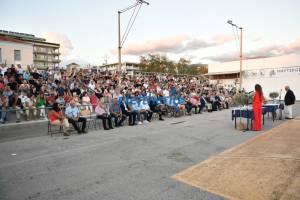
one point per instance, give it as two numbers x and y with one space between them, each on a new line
17 55
0 55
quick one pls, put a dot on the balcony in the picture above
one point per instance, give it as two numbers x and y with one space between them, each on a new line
47 52
56 61
46 60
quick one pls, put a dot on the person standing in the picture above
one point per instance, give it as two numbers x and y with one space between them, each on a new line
258 99
289 101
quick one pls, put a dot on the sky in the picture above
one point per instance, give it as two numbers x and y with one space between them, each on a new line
193 29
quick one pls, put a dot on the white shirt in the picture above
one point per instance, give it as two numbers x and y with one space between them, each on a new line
23 98
166 93
92 86
145 105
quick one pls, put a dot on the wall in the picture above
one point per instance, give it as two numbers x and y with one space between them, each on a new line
7 49
273 80
274 62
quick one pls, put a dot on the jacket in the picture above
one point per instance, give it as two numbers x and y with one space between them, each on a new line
289 98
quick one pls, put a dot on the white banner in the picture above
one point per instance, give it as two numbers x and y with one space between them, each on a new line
272 73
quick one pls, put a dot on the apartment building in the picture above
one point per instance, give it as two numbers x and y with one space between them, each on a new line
13 51
126 68
45 54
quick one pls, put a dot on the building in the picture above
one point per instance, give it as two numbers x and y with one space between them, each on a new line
13 51
126 68
73 66
202 68
271 79
45 54
228 79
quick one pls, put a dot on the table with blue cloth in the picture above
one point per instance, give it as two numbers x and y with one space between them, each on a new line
246 112
271 108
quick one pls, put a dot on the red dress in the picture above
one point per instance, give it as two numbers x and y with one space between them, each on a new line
257 111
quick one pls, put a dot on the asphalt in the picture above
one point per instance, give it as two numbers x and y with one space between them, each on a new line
121 164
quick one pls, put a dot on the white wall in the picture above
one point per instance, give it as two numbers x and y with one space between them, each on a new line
273 80
274 62
7 49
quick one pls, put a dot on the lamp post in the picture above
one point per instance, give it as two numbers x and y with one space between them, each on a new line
129 26
241 50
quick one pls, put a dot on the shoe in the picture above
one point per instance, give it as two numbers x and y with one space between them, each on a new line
161 119
84 131
66 134
79 132
106 128
18 121
139 123
146 122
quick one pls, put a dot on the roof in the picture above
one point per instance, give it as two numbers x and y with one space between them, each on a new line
73 64
8 39
222 73
116 64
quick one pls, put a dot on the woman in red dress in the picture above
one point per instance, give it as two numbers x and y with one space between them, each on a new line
258 99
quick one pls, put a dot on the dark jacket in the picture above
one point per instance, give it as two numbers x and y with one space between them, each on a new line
289 98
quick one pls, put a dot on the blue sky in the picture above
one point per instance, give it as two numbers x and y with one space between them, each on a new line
91 26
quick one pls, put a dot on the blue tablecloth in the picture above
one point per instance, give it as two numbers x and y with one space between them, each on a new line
246 113
271 108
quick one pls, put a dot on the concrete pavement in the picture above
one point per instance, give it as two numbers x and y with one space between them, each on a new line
121 164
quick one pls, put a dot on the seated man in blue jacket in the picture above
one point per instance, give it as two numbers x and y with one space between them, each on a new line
156 105
127 110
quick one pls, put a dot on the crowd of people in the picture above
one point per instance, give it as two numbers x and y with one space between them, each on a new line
72 95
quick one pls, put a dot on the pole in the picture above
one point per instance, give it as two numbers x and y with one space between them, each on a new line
119 41
241 59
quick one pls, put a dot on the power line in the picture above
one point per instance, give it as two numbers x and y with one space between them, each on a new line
125 36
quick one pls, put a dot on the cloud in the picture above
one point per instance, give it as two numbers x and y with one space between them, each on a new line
65 43
170 44
264 52
175 44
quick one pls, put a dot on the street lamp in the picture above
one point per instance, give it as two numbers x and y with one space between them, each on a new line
241 50
128 28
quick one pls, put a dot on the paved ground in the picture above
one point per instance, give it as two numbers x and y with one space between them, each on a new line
265 167
121 164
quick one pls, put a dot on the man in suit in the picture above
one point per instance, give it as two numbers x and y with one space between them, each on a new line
289 101
128 111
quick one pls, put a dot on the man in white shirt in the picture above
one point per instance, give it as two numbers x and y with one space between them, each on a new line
145 106
73 115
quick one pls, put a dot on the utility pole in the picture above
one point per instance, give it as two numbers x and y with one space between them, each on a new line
241 51
121 40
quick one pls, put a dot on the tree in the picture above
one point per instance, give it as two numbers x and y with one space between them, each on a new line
162 64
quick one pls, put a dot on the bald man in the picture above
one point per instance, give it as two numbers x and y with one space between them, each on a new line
289 101
73 115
